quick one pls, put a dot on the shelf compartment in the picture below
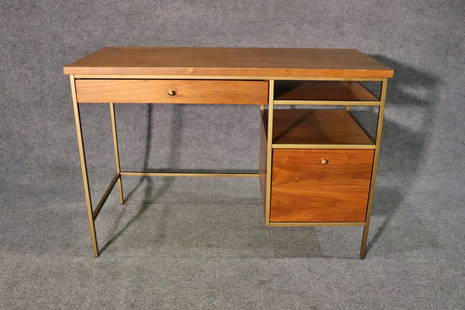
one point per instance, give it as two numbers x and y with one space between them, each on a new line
323 93
318 128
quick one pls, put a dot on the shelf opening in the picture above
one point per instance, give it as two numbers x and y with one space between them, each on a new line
324 91
317 127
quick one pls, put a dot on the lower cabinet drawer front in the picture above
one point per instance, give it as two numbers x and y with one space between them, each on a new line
172 91
320 185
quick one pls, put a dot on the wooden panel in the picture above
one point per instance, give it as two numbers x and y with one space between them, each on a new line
186 91
262 62
317 126
305 190
322 90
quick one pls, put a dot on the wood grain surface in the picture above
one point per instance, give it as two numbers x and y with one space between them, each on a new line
305 190
317 126
266 62
322 90
186 91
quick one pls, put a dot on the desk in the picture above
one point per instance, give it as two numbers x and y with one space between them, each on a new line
316 166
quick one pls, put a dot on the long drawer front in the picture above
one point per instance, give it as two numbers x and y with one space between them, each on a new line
320 185
172 91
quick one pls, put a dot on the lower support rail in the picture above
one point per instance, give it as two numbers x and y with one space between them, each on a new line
187 174
117 176
105 195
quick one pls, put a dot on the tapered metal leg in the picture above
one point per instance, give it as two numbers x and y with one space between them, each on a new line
85 179
269 151
363 246
379 130
116 150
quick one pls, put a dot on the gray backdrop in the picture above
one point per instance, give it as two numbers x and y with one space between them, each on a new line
183 244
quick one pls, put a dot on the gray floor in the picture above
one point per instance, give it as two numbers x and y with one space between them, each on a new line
183 244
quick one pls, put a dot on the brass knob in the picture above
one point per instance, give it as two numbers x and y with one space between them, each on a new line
324 161
172 93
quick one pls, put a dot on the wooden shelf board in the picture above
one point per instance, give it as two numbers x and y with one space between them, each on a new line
322 91
318 127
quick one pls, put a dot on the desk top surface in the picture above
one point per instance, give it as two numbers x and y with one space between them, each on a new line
235 62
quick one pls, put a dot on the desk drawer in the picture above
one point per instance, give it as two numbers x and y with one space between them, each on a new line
320 185
172 91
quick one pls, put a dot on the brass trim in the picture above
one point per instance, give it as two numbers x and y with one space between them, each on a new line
85 178
117 179
105 195
324 146
316 224
221 77
327 102
187 174
379 130
269 151
116 151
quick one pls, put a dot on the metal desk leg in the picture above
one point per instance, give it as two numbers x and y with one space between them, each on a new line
116 150
379 129
85 179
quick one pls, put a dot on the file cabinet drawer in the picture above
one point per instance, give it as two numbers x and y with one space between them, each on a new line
320 185
172 91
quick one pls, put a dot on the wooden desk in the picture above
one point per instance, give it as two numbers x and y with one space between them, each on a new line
319 167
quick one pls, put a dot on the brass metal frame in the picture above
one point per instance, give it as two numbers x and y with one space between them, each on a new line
269 150
85 178
379 130
110 187
324 146
188 174
326 102
116 151
117 179
222 77
317 224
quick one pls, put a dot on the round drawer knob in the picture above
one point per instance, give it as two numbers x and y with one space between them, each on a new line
172 93
324 161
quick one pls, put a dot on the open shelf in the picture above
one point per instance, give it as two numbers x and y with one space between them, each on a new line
333 92
318 128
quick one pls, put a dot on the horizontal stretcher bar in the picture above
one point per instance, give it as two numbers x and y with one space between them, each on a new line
110 187
222 77
317 224
188 174
327 102
324 146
